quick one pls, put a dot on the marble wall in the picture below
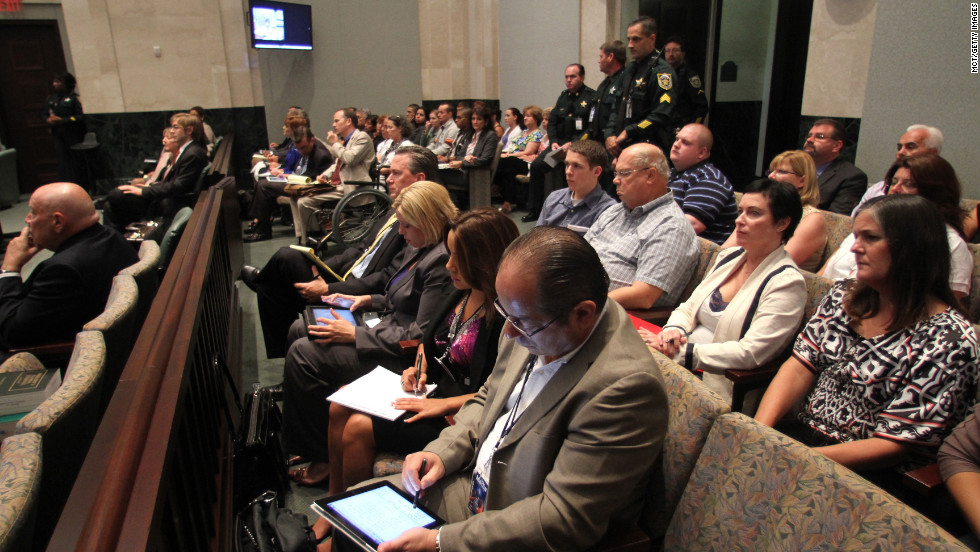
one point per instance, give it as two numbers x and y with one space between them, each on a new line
458 42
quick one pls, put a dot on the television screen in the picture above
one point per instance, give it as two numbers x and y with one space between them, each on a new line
281 25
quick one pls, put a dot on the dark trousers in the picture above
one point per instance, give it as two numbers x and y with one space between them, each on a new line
123 209
535 188
506 177
264 202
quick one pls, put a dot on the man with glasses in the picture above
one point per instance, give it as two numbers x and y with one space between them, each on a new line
560 441
841 183
917 140
645 242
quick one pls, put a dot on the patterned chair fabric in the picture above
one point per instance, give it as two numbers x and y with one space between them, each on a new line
118 325
388 463
693 409
756 489
838 227
147 277
21 362
20 484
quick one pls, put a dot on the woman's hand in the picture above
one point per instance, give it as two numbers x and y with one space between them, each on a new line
408 380
357 301
425 408
332 331
455 164
667 342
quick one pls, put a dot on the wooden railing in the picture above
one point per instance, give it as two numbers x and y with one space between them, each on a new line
158 474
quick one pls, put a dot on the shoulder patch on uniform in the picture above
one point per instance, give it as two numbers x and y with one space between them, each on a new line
695 81
665 98
664 80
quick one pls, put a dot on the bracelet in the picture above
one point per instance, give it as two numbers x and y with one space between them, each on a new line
439 540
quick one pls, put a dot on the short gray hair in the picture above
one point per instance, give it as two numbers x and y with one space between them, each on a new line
934 136
654 158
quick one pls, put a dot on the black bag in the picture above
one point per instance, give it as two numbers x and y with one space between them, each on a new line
260 464
264 527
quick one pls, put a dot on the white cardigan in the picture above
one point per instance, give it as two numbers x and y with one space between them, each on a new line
774 324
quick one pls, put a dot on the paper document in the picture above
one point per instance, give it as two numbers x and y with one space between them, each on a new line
374 392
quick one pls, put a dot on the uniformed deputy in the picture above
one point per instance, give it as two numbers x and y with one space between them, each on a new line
645 101
612 60
568 121
63 113
692 104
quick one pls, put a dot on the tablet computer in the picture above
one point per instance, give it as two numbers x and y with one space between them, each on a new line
323 311
375 513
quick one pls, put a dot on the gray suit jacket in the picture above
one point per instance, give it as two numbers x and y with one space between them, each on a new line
578 458
410 303
841 187
355 157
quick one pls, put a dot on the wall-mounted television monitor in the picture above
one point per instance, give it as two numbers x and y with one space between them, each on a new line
281 25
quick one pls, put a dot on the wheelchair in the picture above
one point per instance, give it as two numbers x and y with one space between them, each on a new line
348 221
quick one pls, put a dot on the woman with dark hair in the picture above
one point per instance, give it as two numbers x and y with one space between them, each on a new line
756 282
478 150
515 125
891 360
932 178
422 134
458 355
67 121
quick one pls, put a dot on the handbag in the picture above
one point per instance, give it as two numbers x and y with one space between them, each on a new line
259 462
262 526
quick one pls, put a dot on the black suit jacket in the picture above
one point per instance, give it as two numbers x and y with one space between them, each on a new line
182 176
320 160
380 269
484 351
486 147
63 292
841 187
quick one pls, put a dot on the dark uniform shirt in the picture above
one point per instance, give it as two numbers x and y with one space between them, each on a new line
605 106
569 118
645 103
71 129
692 104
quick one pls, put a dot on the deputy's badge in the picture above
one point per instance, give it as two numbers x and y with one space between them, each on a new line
665 98
640 82
664 80
584 104
695 81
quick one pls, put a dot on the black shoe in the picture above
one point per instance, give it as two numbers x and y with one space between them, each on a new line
532 216
248 276
252 237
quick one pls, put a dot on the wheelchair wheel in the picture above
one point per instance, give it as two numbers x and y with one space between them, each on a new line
356 213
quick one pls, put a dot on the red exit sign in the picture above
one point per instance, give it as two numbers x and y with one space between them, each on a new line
9 5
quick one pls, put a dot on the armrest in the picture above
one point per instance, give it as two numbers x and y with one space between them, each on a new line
754 378
409 347
924 480
49 353
657 316
623 538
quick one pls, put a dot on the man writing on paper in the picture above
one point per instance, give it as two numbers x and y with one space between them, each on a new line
561 440
288 281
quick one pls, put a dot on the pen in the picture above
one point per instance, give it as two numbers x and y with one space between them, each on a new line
418 375
418 493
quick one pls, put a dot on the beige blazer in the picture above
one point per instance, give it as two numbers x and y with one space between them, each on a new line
579 457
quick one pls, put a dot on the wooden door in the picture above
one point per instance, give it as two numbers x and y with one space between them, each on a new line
30 53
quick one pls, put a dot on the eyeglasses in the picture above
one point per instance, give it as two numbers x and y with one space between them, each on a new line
518 325
817 136
781 171
628 172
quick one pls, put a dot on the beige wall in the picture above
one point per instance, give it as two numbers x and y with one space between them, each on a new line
204 58
841 34
458 42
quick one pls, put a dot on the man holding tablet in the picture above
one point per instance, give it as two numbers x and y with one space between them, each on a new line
561 440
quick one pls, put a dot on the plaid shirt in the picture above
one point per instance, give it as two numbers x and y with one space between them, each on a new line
653 243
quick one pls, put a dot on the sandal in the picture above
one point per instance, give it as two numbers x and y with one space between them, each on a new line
295 459
312 475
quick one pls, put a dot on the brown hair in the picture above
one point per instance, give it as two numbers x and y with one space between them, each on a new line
482 235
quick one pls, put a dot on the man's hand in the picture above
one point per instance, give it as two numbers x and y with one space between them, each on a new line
554 146
332 138
130 189
434 471
312 291
20 250
416 539
138 182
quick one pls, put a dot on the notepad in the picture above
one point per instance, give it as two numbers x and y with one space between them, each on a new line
374 392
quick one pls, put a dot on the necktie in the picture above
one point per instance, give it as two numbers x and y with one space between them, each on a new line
370 251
